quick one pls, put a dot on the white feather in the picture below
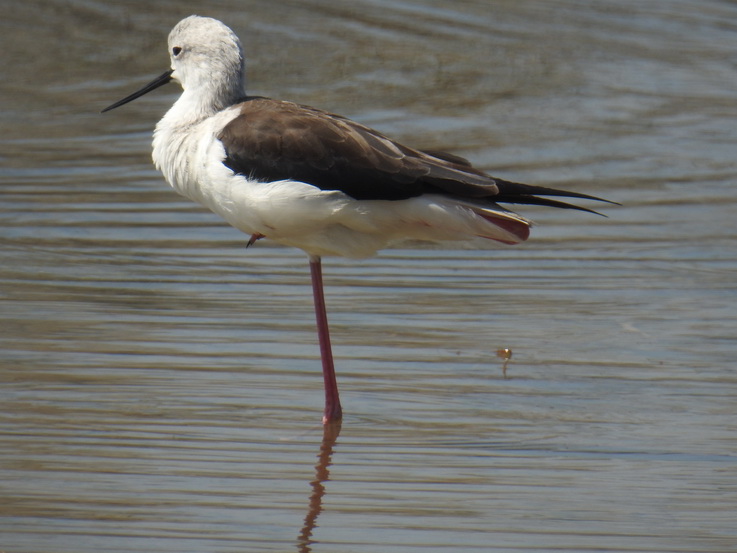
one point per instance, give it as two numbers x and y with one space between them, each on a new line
190 156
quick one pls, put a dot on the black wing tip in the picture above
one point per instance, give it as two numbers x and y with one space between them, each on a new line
578 195
518 193
547 202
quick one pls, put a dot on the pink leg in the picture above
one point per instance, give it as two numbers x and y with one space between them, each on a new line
333 411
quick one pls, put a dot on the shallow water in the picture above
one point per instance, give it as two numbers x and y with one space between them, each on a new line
161 385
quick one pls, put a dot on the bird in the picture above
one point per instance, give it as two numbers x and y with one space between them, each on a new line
314 180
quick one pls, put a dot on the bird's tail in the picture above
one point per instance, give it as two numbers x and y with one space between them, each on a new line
517 228
493 222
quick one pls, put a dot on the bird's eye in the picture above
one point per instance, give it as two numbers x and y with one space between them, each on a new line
176 51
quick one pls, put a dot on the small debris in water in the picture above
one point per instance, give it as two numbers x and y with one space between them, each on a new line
506 354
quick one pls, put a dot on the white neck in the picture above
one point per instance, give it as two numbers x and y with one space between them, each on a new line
190 124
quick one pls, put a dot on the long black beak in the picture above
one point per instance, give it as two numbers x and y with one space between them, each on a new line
161 80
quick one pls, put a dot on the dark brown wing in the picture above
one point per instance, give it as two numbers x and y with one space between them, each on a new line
273 140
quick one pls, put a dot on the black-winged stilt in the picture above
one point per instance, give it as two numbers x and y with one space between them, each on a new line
314 180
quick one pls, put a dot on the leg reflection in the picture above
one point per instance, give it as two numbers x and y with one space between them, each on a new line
331 430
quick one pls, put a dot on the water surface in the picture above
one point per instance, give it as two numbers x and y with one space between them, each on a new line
160 383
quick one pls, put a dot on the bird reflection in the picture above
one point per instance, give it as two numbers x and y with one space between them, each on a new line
331 430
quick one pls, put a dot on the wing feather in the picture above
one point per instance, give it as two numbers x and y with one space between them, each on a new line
273 140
